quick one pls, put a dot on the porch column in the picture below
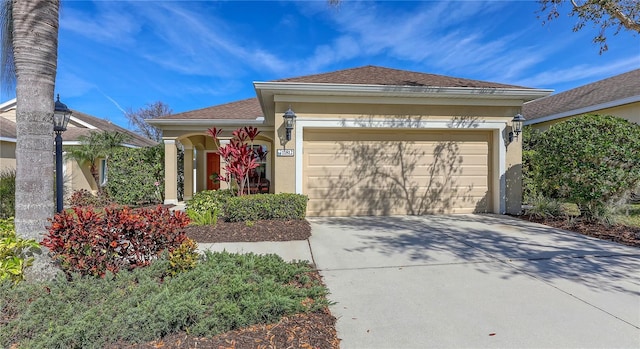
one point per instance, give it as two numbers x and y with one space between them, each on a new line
201 183
188 173
170 171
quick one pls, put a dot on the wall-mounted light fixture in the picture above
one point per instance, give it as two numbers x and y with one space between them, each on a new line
516 126
289 121
61 116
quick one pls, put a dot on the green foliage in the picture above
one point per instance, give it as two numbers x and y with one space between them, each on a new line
136 176
630 215
542 207
183 258
14 252
266 206
223 292
95 146
85 198
93 243
530 139
209 201
590 160
7 193
209 217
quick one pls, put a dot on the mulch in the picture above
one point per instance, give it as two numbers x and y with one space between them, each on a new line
313 330
619 233
261 230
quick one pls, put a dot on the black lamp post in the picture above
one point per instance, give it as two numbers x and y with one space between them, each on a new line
289 119
61 115
516 124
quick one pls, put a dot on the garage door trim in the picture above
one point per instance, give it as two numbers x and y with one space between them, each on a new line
499 170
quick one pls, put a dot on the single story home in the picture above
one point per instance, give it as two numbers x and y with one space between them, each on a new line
75 177
368 141
618 95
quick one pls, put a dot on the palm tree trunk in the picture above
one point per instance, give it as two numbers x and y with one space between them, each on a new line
35 45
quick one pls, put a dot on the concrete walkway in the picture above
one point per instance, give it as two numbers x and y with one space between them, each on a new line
471 281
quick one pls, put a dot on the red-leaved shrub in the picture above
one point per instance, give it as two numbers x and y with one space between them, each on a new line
91 243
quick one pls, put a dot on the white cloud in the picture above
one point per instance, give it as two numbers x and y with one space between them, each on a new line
581 72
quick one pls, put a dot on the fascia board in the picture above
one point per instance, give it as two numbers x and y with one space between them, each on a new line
7 139
400 91
583 110
397 100
8 105
174 124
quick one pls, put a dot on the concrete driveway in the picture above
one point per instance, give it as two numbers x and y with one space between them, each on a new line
469 281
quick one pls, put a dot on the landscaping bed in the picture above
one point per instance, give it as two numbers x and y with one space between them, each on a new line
261 230
619 233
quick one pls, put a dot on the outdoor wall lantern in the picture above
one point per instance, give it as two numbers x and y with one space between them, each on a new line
61 116
516 125
289 120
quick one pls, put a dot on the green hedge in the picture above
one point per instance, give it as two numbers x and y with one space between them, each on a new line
265 206
209 201
7 193
133 175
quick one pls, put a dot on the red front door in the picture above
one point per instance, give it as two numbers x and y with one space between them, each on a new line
213 167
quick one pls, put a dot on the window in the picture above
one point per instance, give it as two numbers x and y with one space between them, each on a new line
103 172
260 152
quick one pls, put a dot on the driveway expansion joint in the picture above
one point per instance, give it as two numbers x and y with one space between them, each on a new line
405 266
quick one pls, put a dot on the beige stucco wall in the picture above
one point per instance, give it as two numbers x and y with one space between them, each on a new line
7 155
409 116
629 112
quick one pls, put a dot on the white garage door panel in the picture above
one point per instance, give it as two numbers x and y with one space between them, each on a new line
360 172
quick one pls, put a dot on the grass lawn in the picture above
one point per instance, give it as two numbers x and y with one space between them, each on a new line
633 217
224 292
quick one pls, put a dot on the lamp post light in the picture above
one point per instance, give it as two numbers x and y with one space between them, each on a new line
516 124
61 116
289 120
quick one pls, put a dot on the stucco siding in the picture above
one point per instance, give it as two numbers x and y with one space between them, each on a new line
7 155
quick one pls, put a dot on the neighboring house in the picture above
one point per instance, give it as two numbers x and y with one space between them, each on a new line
618 95
80 124
369 141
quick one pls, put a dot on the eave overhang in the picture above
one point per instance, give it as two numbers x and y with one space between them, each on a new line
270 92
202 125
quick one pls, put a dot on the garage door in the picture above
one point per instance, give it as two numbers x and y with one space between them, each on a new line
387 172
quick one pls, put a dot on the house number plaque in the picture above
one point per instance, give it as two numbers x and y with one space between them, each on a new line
284 152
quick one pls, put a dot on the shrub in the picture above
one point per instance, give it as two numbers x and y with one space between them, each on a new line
223 292
590 160
136 176
240 157
209 201
209 217
85 198
530 139
7 193
14 252
266 206
542 207
184 257
92 243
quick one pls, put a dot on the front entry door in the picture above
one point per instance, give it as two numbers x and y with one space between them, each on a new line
213 167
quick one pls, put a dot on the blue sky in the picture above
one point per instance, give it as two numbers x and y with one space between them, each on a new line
120 55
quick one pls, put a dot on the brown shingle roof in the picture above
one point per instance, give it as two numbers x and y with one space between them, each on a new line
600 92
73 133
248 109
374 75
